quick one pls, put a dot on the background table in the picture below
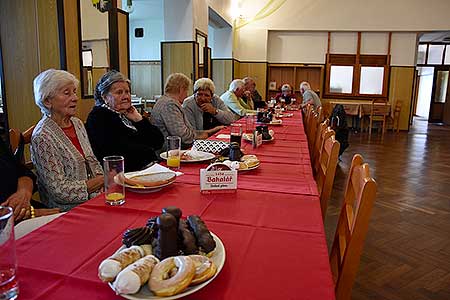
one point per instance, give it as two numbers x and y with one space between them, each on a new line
271 227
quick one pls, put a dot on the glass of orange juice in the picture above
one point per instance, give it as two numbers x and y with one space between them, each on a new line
173 151
113 168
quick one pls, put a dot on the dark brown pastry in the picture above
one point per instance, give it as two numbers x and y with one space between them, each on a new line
187 238
167 236
174 211
137 236
204 238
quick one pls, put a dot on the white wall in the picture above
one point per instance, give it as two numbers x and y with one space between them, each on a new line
178 20
94 24
200 13
99 52
311 47
251 44
221 42
353 15
301 47
149 46
222 7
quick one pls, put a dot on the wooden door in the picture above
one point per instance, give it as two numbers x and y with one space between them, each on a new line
439 95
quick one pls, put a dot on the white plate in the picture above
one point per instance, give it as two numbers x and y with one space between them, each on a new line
248 137
206 156
251 168
144 189
219 260
277 122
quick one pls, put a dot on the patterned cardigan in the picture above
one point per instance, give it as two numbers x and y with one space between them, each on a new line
62 170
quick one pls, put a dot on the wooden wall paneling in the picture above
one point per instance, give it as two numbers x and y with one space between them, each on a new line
124 45
20 44
236 69
258 71
145 78
401 89
72 37
48 34
222 74
314 75
178 57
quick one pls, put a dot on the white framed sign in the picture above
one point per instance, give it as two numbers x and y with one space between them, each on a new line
218 177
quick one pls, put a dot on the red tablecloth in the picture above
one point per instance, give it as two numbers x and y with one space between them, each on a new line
271 228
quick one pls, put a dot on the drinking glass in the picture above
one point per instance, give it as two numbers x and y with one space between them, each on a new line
113 167
173 152
250 122
9 287
236 133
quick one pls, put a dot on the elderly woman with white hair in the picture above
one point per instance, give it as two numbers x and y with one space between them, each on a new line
309 96
115 127
68 172
204 109
286 94
233 98
168 114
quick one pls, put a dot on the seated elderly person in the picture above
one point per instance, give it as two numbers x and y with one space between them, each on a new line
286 94
17 184
168 114
115 127
205 110
67 170
251 95
233 98
309 96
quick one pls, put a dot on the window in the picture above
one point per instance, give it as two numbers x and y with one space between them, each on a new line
371 81
421 54
447 55
435 53
341 79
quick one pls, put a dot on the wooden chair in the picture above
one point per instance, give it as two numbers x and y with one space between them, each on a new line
359 196
312 129
18 140
394 118
378 113
318 141
327 169
307 113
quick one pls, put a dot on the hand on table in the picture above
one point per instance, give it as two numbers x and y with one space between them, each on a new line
95 183
20 203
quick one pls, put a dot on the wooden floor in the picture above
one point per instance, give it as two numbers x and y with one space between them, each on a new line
407 249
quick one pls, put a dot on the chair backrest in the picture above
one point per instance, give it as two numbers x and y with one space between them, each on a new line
312 129
353 223
307 112
318 141
379 108
327 169
18 140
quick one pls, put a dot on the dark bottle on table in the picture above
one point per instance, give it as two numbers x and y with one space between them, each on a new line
235 152
234 138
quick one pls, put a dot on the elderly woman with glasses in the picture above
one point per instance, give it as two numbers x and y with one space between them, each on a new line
286 94
115 127
169 116
68 172
204 109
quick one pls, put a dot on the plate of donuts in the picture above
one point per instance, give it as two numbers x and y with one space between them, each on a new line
217 257
168 258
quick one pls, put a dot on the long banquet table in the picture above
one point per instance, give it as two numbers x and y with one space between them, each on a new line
271 227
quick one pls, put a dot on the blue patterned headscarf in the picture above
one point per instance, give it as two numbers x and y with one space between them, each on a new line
105 83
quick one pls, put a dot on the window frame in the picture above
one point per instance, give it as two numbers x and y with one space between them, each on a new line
357 65
446 46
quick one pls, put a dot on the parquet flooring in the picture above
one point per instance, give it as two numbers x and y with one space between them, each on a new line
407 250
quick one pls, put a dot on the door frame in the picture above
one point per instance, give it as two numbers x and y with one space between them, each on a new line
434 104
